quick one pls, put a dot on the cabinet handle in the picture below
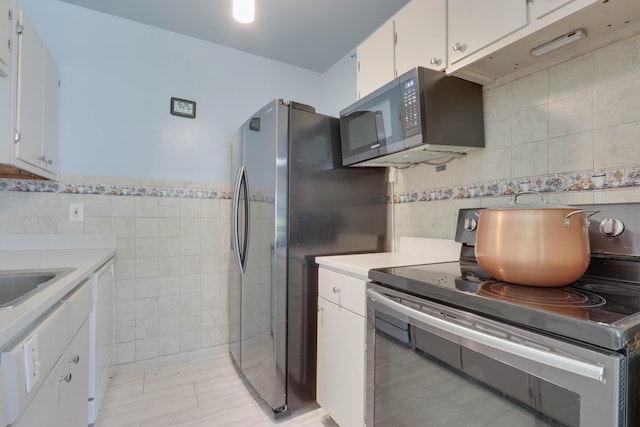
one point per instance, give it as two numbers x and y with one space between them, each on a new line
435 61
459 47
75 359
42 158
49 161
66 378
336 289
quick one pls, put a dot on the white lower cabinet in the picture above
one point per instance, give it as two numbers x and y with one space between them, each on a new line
342 328
62 399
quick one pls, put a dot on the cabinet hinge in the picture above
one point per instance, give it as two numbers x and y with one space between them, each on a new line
395 38
10 14
9 44
19 28
16 136
358 65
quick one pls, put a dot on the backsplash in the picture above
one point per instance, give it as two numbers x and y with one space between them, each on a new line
594 180
172 258
89 186
553 131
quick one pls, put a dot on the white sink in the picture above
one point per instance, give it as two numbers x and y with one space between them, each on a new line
18 285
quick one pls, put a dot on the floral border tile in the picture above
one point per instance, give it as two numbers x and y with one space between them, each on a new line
592 180
109 189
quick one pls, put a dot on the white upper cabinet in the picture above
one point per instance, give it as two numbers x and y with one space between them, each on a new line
37 123
375 60
473 25
541 8
415 36
5 29
421 35
30 113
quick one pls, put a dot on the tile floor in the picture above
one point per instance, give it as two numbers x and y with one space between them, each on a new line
202 393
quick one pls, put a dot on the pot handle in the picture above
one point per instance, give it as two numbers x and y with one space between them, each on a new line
515 197
567 222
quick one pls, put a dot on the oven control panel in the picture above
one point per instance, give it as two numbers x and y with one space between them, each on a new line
467 225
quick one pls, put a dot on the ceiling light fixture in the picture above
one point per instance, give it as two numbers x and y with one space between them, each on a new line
243 10
561 41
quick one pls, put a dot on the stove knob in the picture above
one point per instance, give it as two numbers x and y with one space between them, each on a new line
611 227
470 224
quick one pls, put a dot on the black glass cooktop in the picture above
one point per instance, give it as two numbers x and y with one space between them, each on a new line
594 310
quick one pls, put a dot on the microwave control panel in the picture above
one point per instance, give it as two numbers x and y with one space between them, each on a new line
410 108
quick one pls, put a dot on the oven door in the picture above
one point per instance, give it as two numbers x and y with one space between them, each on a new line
429 364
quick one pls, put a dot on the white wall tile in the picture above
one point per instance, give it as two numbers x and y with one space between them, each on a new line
571 78
169 227
530 91
146 267
146 207
168 246
169 207
497 132
169 266
617 146
617 104
97 225
146 348
40 225
571 115
146 227
146 247
97 205
190 208
123 206
529 125
618 62
571 153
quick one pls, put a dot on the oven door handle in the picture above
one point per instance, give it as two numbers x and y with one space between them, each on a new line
578 367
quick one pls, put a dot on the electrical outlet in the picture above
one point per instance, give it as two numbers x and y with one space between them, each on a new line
76 212
31 362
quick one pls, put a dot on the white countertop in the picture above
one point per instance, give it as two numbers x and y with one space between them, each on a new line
83 260
412 250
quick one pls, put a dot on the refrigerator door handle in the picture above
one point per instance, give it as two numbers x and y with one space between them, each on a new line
240 253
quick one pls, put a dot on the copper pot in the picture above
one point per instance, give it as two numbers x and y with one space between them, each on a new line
533 244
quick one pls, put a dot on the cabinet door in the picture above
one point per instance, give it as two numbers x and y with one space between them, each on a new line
51 113
47 407
76 390
473 25
421 32
30 84
375 60
5 28
541 8
341 364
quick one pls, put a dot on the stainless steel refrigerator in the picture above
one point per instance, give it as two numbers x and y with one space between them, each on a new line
292 201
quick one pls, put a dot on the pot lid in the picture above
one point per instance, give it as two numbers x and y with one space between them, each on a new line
539 204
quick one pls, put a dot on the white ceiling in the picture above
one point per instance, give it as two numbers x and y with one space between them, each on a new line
309 34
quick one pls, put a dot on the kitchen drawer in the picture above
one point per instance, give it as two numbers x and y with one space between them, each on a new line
78 303
346 291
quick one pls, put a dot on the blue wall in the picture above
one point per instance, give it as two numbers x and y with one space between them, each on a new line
118 78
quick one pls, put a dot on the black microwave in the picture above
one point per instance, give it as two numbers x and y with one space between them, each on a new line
421 115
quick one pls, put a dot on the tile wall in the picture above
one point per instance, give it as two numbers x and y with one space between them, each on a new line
172 258
552 130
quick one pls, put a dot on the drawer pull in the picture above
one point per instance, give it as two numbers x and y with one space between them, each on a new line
336 290
66 378
75 359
